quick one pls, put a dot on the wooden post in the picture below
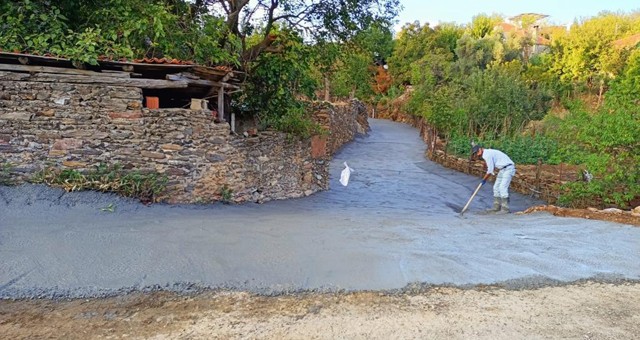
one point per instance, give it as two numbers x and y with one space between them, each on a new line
538 175
221 104
233 122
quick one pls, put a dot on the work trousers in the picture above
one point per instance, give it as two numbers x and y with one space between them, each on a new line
503 180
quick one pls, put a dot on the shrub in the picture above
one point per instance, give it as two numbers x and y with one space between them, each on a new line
608 144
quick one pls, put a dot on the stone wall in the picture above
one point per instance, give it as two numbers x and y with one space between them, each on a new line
78 126
343 121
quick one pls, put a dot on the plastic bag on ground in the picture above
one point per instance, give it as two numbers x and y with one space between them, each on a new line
344 176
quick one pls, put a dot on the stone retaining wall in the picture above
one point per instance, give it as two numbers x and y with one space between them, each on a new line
342 127
78 126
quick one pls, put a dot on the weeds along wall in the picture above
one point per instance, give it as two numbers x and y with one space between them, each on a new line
52 125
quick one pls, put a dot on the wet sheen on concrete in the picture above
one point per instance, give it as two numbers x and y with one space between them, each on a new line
396 224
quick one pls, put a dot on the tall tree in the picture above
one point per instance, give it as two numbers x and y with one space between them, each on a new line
586 55
334 20
413 42
482 25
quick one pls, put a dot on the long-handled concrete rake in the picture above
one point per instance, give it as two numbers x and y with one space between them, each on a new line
471 198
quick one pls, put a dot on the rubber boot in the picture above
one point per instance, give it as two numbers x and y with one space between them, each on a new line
496 206
504 206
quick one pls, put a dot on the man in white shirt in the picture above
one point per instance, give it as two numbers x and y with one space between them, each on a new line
497 159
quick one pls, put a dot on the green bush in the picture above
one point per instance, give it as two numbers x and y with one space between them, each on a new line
297 123
521 149
500 103
85 31
5 174
526 149
607 142
278 84
459 145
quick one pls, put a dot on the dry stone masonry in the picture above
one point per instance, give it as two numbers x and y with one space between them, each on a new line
79 126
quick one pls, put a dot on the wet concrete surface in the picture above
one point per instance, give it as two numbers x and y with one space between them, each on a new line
396 225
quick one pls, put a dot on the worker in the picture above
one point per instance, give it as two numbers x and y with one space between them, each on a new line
497 159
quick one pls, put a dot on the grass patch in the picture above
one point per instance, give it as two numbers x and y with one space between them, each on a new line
107 178
226 194
5 174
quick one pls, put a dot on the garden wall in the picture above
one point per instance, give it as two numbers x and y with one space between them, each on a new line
79 126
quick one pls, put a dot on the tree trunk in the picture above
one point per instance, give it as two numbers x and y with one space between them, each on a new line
327 93
252 53
600 93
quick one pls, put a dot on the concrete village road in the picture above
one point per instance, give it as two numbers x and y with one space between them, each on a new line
394 226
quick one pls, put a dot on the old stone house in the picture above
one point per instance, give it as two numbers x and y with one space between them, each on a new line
531 34
161 116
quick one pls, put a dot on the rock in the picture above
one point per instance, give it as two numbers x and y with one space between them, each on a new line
67 144
125 115
61 101
46 113
170 147
154 155
24 116
57 153
134 105
74 164
215 158
34 145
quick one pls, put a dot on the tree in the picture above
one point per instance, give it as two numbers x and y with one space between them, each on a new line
447 36
347 69
482 25
276 84
412 44
475 53
586 56
333 20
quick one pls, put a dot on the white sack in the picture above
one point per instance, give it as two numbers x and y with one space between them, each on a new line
344 176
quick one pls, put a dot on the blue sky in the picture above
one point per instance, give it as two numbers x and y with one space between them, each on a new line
561 12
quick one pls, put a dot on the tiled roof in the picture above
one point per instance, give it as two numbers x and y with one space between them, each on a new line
145 65
506 27
543 41
518 32
163 61
105 58
629 41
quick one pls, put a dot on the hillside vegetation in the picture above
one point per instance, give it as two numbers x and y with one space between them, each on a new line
537 92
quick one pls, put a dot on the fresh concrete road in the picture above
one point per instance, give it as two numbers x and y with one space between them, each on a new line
392 227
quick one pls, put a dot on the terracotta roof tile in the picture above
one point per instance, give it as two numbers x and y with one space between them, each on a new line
222 68
163 61
506 27
543 41
629 41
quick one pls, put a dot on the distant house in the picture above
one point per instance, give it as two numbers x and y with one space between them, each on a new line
628 42
527 28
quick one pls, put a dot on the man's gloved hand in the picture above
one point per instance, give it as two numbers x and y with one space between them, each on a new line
485 178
